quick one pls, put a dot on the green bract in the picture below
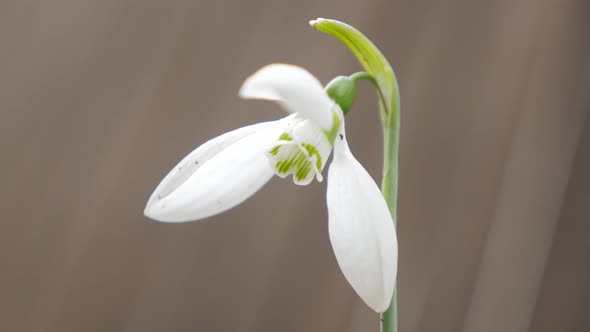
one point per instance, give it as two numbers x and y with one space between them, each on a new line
369 56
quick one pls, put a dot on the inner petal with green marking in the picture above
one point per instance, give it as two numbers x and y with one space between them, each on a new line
302 150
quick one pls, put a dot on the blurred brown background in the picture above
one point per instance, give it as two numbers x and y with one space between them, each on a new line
100 98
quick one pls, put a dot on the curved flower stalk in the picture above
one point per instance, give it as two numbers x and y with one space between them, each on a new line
228 169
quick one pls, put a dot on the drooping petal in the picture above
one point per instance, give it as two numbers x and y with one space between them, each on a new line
216 176
294 88
361 229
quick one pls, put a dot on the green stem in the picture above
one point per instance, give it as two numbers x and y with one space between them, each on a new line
389 187
389 317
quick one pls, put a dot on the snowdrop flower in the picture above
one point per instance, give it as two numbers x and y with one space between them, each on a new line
228 169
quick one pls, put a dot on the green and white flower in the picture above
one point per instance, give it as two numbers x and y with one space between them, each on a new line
228 169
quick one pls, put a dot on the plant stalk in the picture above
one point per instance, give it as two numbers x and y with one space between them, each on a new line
389 185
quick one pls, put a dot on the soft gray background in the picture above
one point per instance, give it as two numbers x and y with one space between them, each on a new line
99 98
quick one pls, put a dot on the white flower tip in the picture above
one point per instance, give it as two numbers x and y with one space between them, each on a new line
262 83
155 210
251 89
151 212
147 211
294 88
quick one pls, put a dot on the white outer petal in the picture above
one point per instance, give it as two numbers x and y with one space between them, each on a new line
297 90
361 229
216 176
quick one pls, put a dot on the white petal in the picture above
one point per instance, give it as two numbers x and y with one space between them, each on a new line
294 88
216 176
361 229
